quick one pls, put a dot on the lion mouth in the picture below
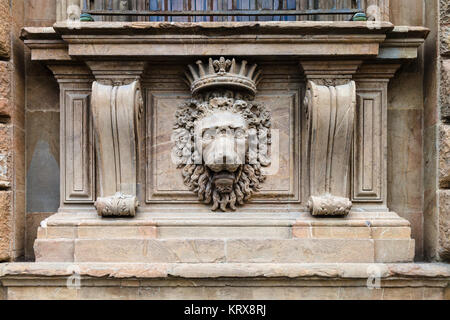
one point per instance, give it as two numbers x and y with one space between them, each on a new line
224 181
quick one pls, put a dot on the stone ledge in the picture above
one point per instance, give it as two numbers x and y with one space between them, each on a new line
224 281
389 271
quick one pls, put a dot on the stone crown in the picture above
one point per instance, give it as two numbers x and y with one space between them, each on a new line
223 73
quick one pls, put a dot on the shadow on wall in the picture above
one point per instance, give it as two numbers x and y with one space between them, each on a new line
43 180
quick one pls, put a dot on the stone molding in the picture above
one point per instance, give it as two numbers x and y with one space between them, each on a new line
370 140
77 170
117 72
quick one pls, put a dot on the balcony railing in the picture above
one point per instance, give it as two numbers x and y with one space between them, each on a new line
224 10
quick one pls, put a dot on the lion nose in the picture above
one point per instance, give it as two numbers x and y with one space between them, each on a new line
223 155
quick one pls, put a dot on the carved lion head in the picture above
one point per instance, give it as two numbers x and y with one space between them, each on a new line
221 142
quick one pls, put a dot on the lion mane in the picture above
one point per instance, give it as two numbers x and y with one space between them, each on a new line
196 175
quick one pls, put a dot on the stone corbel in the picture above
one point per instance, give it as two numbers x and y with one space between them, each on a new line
117 108
116 111
330 103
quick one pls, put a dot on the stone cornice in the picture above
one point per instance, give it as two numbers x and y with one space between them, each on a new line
223 28
148 40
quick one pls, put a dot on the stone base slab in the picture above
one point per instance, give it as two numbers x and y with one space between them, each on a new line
223 250
209 281
225 238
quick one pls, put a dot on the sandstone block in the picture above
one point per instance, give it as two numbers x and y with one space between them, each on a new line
5 156
2 293
5 89
445 11
444 225
391 233
61 250
123 232
300 250
444 156
390 251
331 232
445 40
141 250
445 89
5 28
42 293
5 225
33 221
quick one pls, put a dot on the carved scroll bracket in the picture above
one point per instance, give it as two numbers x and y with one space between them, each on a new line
330 103
116 111
330 114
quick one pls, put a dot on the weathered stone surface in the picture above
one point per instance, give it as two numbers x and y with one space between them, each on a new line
116 146
2 293
404 156
238 270
300 250
33 221
445 90
315 232
329 143
445 27
5 89
212 281
391 251
141 250
61 250
240 291
5 28
5 225
6 154
444 156
444 225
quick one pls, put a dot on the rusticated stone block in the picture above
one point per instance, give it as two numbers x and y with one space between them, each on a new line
5 27
5 225
444 156
445 90
445 40
5 89
445 11
444 225
445 26
5 156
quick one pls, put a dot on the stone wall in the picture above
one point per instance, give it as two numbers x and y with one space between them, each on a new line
12 132
437 132
444 132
